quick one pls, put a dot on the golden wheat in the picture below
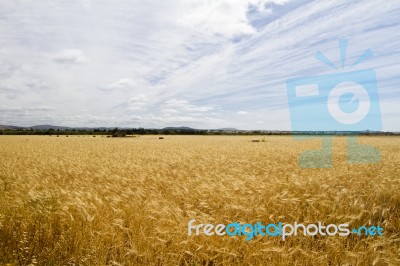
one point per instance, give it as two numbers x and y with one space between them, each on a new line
127 201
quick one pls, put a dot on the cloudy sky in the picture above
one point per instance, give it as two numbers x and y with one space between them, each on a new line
198 63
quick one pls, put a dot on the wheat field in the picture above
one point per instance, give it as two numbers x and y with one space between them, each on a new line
127 201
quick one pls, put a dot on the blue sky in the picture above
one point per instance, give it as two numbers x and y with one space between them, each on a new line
204 64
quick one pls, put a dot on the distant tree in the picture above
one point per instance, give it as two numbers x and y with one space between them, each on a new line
141 131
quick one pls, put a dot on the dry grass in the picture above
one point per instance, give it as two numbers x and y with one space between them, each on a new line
115 201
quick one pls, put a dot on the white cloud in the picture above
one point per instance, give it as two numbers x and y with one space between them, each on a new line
72 56
184 60
138 102
19 108
126 84
185 106
17 80
242 113
224 17
169 111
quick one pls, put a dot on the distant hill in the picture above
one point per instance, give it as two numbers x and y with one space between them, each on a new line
4 127
46 127
179 128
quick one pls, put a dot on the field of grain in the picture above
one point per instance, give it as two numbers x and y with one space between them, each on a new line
127 201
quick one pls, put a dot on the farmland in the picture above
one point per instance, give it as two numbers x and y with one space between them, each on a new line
127 201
